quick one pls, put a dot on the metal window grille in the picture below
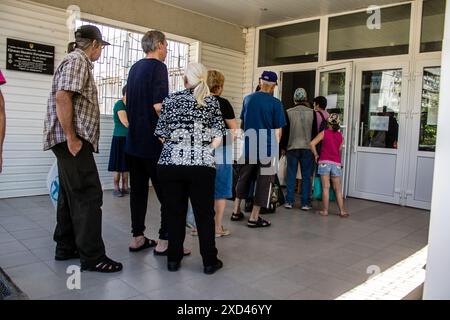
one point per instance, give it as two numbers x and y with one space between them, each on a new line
111 70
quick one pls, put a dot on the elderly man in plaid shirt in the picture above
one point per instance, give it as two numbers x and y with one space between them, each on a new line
72 130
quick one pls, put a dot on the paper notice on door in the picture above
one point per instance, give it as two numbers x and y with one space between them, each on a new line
332 101
432 118
379 123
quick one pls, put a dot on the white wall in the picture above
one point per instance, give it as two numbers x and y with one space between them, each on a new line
25 164
437 283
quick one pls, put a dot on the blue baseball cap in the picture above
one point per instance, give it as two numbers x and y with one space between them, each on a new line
269 76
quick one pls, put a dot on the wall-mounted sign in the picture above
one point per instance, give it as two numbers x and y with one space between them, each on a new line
29 57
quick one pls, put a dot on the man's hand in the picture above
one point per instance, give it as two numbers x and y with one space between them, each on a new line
75 146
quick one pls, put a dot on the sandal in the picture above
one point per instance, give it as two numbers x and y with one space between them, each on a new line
323 213
237 216
344 215
261 223
147 244
105 266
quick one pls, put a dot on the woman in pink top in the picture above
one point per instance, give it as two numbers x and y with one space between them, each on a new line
330 164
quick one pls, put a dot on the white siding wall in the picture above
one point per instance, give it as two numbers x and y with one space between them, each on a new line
231 64
25 164
249 63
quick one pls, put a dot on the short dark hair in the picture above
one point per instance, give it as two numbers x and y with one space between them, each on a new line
321 101
124 91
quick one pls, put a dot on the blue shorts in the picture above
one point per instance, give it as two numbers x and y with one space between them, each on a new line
224 181
327 169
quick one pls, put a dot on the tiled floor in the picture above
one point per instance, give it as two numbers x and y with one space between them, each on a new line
302 256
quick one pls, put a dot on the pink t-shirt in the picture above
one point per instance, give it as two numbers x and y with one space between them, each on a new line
2 78
331 147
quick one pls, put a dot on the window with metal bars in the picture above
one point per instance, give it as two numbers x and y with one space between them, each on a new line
111 70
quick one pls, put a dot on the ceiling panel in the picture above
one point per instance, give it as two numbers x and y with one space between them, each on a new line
250 13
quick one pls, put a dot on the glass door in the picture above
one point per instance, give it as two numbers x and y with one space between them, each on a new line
423 118
334 83
379 144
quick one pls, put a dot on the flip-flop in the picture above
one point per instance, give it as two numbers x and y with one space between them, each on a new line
147 245
345 215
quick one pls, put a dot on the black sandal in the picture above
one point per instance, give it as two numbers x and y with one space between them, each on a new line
147 244
105 266
261 223
237 216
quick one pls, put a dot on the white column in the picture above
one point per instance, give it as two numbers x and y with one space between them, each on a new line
437 283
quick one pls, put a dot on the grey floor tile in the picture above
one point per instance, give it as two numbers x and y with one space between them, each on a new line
333 286
241 292
310 294
44 254
12 247
111 290
174 292
6 237
42 286
302 256
31 234
277 286
17 259
39 243
302 276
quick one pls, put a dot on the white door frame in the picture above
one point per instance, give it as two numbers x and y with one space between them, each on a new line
400 153
414 117
346 122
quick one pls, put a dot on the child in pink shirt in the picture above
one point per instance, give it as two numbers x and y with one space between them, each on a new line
330 164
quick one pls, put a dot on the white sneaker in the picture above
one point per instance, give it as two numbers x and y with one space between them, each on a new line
306 208
288 206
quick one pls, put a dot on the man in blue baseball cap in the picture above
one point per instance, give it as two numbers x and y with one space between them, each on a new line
270 77
263 119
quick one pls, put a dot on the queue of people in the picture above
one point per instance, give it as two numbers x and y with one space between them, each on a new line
182 142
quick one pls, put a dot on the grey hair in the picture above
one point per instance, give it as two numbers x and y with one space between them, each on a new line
197 75
151 40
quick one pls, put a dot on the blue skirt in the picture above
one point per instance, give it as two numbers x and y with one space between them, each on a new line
118 159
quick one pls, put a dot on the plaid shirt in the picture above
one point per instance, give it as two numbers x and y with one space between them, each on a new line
74 74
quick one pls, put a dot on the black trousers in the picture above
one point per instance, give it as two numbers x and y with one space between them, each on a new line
181 183
141 172
264 183
79 214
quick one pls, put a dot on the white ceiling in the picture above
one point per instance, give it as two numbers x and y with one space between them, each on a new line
250 13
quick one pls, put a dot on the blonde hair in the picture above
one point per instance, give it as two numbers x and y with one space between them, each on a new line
216 80
196 76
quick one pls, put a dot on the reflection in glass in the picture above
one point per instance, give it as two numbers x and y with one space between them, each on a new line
430 108
351 36
380 106
290 44
332 87
433 17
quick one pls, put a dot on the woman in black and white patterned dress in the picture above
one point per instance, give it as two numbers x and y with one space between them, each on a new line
191 127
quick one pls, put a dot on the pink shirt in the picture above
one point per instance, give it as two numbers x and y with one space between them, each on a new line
331 147
2 78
